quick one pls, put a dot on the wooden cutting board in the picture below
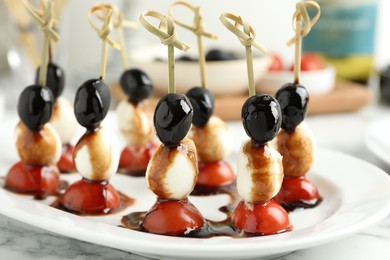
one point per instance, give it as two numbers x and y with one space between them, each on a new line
345 97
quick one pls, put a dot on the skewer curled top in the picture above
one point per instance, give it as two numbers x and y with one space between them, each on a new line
105 30
301 14
167 38
246 37
198 26
44 17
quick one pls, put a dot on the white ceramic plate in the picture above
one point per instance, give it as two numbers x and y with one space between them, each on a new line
356 194
377 139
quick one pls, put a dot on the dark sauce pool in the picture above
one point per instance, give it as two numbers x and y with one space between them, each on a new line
210 229
301 204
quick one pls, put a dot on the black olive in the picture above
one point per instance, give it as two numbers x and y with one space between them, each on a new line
92 103
186 58
55 79
261 117
136 84
293 100
172 118
219 55
203 103
35 106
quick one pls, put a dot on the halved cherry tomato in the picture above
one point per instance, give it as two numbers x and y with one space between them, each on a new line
90 197
134 161
297 189
66 164
32 179
173 218
261 218
215 174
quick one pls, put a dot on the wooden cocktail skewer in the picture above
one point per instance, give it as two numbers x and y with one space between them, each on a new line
103 33
259 165
297 191
45 21
37 143
167 38
135 121
209 133
301 30
172 120
53 77
247 39
198 30
96 154
119 23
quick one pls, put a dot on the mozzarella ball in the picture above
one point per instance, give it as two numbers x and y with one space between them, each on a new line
172 172
96 155
42 147
259 172
63 120
213 141
297 149
135 124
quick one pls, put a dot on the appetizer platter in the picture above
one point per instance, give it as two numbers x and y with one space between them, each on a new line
345 210
173 191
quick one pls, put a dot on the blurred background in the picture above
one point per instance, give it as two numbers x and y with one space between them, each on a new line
351 35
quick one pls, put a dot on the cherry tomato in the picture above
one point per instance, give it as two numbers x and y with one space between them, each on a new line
276 63
261 218
310 61
215 174
90 197
134 161
32 179
173 218
296 189
66 163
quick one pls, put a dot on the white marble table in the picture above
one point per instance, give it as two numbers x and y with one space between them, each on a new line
343 132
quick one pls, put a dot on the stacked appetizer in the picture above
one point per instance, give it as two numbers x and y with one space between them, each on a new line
133 113
259 165
96 154
209 133
135 124
38 144
62 118
172 170
295 141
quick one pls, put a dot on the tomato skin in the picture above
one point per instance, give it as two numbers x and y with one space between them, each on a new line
66 163
32 179
297 189
261 218
172 217
90 197
134 161
215 174
276 63
310 61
